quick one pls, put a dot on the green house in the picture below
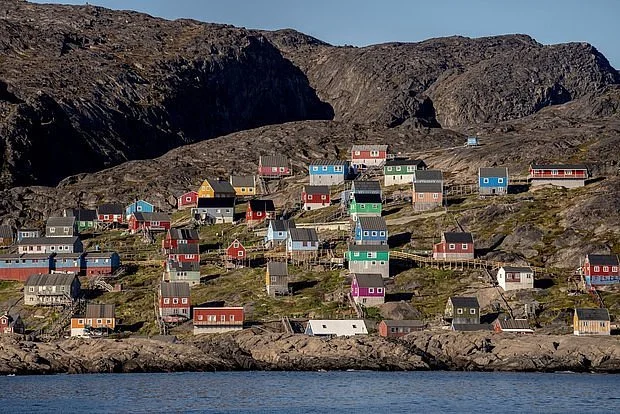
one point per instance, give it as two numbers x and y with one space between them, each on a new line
369 259
84 219
365 205
400 171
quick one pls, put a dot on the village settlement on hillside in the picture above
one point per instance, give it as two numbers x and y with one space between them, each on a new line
353 239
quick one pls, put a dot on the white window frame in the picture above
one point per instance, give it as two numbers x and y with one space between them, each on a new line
374 153
166 301
175 301
324 168
371 255
464 246
389 168
605 268
485 180
451 246
240 253
472 311
597 269
371 290
554 172
184 301
459 311
366 233
435 196
500 181
379 290
568 172
315 168
356 153
420 195
374 234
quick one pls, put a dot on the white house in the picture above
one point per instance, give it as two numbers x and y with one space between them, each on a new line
513 278
335 327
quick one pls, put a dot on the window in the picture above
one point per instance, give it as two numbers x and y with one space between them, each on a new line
108 321
184 301
356 254
324 168
315 168
106 217
31 289
66 230
231 318
485 180
240 253
379 290
382 262
81 321
371 255
323 197
175 301
188 199
366 233
500 180
371 290
211 318
568 172
139 208
375 206
554 172
382 233
374 234
309 196
362 206
99 321
435 196
223 318
614 269
52 230
420 196
354 326
459 311
472 311
259 213
410 168
243 189
451 246
199 317
464 246
393 330
374 153
282 169
236 244
596 268
389 168
274 169
357 153
605 268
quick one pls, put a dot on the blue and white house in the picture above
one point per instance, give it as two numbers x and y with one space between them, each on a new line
329 172
371 230
277 233
139 206
302 243
493 181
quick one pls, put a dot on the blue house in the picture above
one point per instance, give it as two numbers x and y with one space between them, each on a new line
69 262
371 230
328 172
139 206
302 244
493 181
19 266
277 233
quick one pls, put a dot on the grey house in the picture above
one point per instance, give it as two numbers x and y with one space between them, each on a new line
51 289
276 278
463 310
215 210
36 245
60 227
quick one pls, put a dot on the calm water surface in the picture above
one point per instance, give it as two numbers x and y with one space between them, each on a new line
312 392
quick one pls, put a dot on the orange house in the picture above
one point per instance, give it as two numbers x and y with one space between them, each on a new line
98 320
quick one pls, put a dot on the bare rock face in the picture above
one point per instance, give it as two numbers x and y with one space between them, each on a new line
82 88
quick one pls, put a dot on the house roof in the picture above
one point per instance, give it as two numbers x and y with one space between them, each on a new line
183 234
48 240
60 222
55 279
81 214
242 180
369 280
183 266
189 248
427 187
316 189
428 175
369 147
174 289
273 161
368 248
24 229
489 172
261 205
464 301
99 310
594 314
558 167
220 186
338 327
372 223
277 268
68 255
97 255
518 269
282 225
217 202
26 256
514 325
6 232
367 198
366 185
458 237
404 161
404 323
329 162
303 234
136 202
603 259
154 216
469 327
111 209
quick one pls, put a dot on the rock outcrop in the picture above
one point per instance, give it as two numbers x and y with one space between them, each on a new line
252 350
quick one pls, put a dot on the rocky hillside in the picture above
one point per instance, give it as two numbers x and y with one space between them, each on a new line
83 88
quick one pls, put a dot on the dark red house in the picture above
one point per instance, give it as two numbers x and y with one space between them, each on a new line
396 329
149 221
185 253
176 237
274 166
236 251
601 269
217 320
174 301
10 325
187 200
259 211
454 246
315 196
111 214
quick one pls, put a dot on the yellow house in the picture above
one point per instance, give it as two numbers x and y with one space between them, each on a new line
98 319
244 185
591 322
215 188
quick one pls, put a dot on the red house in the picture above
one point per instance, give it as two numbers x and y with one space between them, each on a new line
185 253
175 237
148 221
273 166
563 175
314 197
236 251
364 156
111 214
9 325
396 329
601 269
174 301
187 200
259 211
454 246
217 320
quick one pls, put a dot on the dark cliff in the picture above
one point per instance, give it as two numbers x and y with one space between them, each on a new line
82 88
